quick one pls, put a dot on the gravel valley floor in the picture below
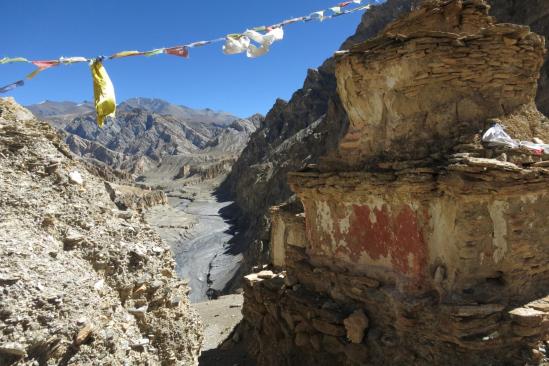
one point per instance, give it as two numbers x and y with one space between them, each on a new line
192 226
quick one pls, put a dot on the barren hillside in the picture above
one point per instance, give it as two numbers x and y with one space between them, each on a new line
83 282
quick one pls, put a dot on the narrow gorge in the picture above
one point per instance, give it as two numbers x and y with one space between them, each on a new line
168 161
129 228
200 240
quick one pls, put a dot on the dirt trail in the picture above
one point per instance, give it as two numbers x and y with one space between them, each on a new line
220 317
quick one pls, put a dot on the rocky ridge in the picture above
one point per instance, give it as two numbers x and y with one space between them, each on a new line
83 281
159 106
146 131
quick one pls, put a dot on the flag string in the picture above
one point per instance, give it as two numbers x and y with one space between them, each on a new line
255 42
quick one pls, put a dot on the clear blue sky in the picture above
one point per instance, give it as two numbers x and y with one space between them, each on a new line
39 29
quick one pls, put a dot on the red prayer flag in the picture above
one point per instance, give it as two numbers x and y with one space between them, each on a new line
41 66
181 51
45 64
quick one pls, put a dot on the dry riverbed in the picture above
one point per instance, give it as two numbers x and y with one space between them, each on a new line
199 239
198 236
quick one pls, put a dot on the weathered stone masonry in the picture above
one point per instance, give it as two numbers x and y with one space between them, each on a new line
418 244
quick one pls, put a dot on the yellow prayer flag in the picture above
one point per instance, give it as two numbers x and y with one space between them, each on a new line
103 92
126 54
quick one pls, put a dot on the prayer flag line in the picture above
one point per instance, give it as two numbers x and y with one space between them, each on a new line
255 42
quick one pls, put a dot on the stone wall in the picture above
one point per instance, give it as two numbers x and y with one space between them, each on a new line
478 228
288 229
419 243
534 13
295 133
301 131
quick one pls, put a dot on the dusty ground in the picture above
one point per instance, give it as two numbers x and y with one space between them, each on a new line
220 318
190 223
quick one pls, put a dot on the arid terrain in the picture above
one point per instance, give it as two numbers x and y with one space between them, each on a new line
83 281
371 219
173 185
181 152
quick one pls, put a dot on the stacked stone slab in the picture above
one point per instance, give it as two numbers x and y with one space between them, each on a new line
419 244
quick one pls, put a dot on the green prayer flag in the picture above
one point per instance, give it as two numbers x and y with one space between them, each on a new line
7 60
158 51
34 73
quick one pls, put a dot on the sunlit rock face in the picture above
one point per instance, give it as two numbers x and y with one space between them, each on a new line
84 279
432 80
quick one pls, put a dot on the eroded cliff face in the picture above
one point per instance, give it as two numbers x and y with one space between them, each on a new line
147 133
82 282
419 244
135 198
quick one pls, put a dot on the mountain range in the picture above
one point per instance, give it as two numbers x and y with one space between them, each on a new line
52 110
148 131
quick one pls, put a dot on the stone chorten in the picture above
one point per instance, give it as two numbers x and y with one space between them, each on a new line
419 244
